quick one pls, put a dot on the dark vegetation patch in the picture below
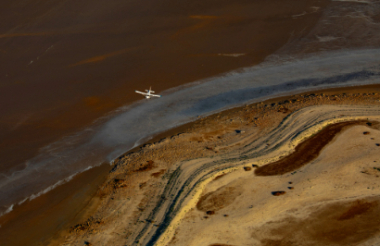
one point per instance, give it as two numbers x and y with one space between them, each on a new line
339 223
278 193
306 151
216 200
149 165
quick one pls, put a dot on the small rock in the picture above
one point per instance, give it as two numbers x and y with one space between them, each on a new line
365 133
290 188
253 165
210 212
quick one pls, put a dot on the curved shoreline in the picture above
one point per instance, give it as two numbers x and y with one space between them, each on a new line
324 26
106 141
185 177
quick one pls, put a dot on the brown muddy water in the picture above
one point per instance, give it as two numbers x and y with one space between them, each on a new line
65 64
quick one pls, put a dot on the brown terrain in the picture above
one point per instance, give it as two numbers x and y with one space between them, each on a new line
304 196
307 150
298 170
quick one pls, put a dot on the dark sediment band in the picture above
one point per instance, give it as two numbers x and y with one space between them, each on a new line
307 151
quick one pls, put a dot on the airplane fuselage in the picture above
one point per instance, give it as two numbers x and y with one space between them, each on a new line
148 94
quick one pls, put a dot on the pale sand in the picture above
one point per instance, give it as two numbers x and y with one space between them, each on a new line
146 203
343 174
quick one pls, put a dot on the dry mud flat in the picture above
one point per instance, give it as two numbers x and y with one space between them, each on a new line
222 181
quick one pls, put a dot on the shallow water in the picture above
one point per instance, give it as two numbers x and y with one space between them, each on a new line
65 64
132 125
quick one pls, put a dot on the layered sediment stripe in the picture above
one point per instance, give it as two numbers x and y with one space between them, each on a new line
187 181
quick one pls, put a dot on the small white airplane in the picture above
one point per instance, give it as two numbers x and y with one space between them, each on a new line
148 94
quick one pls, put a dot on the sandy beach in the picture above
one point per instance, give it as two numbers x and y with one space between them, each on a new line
211 180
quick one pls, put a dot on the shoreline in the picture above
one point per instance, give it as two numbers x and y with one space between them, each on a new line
209 52
180 129
104 75
161 137
174 133
107 141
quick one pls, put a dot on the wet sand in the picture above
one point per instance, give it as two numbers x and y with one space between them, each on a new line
36 221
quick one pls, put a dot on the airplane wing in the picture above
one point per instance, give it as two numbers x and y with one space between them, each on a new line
142 93
153 95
